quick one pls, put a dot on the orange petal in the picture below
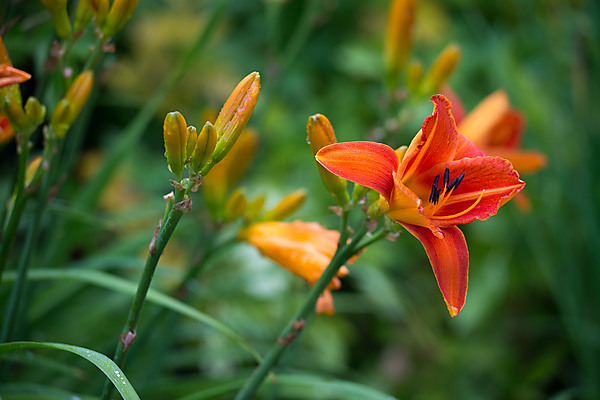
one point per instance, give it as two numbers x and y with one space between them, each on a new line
524 161
435 143
10 75
449 258
478 124
494 177
367 163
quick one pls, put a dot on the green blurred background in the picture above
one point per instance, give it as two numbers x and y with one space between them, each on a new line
530 328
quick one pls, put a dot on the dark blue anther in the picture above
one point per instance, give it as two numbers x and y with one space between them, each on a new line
435 193
455 182
446 177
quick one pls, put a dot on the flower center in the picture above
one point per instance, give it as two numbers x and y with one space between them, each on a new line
448 187
437 198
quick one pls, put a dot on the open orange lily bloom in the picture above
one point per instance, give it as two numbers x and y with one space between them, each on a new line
440 181
303 248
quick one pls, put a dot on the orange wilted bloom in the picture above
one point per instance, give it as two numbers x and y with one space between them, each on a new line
494 127
303 248
440 181
10 75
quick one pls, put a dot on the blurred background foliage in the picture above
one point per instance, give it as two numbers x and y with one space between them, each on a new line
530 328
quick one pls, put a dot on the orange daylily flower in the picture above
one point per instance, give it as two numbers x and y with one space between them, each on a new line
495 128
440 181
303 248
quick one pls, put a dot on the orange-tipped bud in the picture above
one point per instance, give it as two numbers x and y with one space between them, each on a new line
175 134
79 93
235 114
119 14
204 147
398 38
69 107
320 134
441 69
286 207
10 75
83 14
60 16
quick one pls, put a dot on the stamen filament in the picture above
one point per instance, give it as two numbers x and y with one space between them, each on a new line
463 212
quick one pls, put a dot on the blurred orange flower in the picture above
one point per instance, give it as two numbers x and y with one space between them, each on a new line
6 130
413 194
303 248
497 129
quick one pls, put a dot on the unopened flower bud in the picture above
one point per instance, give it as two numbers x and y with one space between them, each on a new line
286 207
101 8
398 37
254 208
175 134
119 14
414 76
205 145
11 107
60 16
441 69
83 15
358 192
78 94
35 111
191 137
32 169
59 119
320 134
236 206
235 114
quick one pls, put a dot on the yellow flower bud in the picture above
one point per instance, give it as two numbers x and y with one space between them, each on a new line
441 69
102 7
191 137
320 134
69 107
119 14
175 134
205 145
235 114
286 207
236 206
414 76
32 168
78 94
254 208
83 14
398 38
60 16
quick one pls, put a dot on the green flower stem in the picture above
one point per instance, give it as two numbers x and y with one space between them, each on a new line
21 197
294 327
160 241
27 250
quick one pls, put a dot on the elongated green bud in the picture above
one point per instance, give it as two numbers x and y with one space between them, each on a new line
60 16
175 135
205 145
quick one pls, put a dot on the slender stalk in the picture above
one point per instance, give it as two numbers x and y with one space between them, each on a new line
129 331
293 328
27 251
21 197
